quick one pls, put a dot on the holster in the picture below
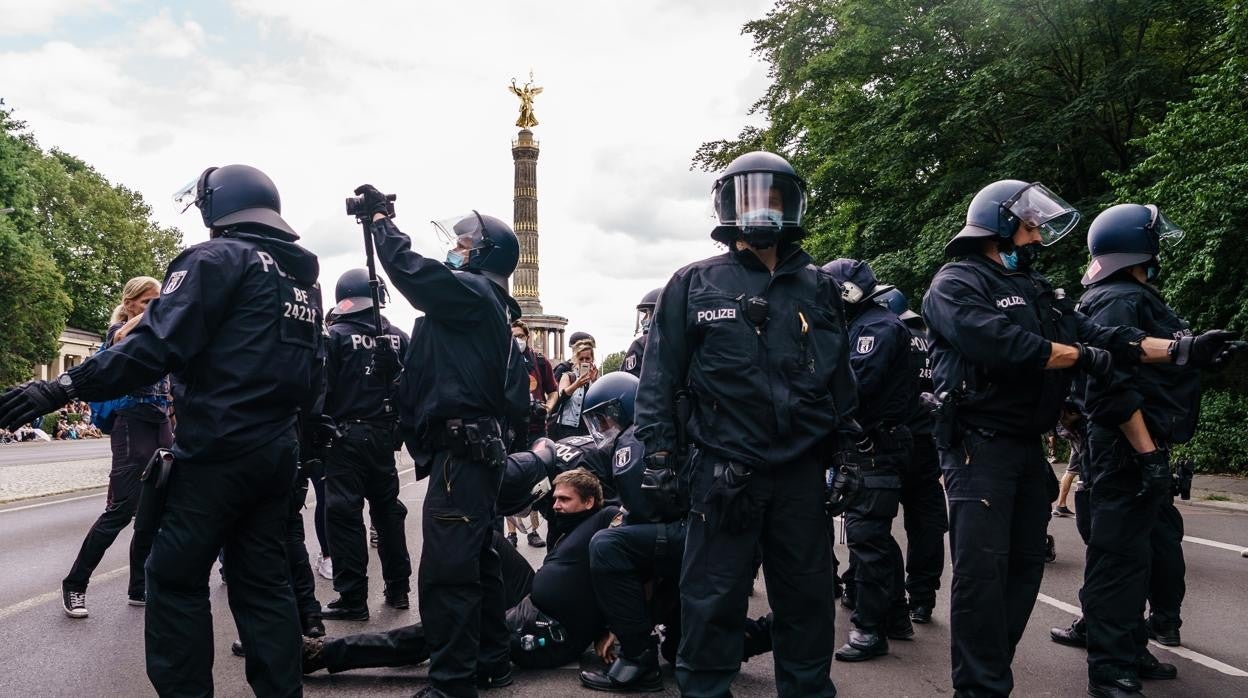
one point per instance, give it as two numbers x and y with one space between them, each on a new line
155 490
479 440
158 468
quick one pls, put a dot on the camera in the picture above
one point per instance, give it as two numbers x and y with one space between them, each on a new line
355 206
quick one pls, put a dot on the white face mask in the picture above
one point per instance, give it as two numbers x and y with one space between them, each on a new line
524 343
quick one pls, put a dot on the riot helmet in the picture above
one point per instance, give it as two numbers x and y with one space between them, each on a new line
352 293
645 311
857 281
481 243
608 406
1000 208
1125 235
235 194
893 300
526 480
760 199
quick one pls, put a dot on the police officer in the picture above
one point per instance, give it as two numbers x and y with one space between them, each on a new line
924 511
238 325
879 352
1002 345
454 397
1135 417
363 369
758 338
637 350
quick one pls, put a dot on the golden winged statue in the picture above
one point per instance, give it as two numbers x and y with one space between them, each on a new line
526 95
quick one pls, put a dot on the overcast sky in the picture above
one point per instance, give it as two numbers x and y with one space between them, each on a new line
411 97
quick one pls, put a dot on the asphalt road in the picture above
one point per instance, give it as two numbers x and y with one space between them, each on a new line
45 653
53 451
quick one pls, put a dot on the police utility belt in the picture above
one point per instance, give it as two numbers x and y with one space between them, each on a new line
479 439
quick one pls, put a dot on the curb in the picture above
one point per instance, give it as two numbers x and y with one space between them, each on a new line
1210 504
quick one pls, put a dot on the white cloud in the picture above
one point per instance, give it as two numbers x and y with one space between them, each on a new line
24 17
412 97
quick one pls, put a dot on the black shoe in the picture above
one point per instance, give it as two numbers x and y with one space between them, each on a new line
862 645
627 675
139 599
397 599
430 692
313 626
1074 636
236 648
1164 633
511 538
343 608
535 540
899 628
1050 549
921 615
495 679
74 602
313 654
757 637
1153 669
1125 687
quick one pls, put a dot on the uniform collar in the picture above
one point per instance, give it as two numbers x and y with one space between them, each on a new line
792 257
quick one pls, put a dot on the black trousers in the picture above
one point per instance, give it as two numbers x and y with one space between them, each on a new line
874 556
301 579
999 491
359 466
622 560
925 516
1133 556
717 573
460 582
133 442
243 505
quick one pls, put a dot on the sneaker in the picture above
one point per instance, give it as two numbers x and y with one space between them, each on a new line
137 600
1059 512
535 540
511 538
1050 549
372 536
325 567
74 602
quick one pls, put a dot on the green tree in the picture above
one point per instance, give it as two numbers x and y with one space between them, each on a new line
897 111
613 362
35 306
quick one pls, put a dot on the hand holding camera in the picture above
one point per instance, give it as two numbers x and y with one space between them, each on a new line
369 202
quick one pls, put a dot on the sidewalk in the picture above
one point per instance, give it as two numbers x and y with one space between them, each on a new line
1218 491
43 479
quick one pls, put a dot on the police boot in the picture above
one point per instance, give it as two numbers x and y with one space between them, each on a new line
1153 669
1164 633
346 608
430 692
1121 687
899 627
921 614
757 638
313 656
627 675
862 645
496 677
313 626
1050 548
397 597
1074 636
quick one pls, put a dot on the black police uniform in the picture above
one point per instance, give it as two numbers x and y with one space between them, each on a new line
1135 549
770 394
238 325
359 464
991 331
632 357
924 511
879 352
453 396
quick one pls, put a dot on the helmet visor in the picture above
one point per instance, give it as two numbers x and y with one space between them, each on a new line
644 316
603 422
192 193
759 199
464 232
1038 207
1168 233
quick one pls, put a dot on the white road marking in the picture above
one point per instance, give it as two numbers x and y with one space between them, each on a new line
56 595
1216 544
1180 651
59 501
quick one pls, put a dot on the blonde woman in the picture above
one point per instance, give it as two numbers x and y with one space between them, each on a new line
572 387
140 428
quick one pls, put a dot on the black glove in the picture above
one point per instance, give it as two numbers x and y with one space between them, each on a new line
21 404
661 486
1206 350
1095 362
844 482
1155 473
385 359
374 200
324 432
537 412
728 499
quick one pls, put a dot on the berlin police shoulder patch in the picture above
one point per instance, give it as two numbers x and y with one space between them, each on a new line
175 281
865 345
631 362
623 457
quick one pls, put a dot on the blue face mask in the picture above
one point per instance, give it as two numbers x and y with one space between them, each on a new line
1009 260
764 218
455 259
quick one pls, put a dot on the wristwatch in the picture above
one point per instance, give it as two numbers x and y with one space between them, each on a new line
68 384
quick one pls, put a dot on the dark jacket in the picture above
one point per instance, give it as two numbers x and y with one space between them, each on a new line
457 364
633 357
1168 395
238 324
355 390
763 395
879 352
991 330
921 419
